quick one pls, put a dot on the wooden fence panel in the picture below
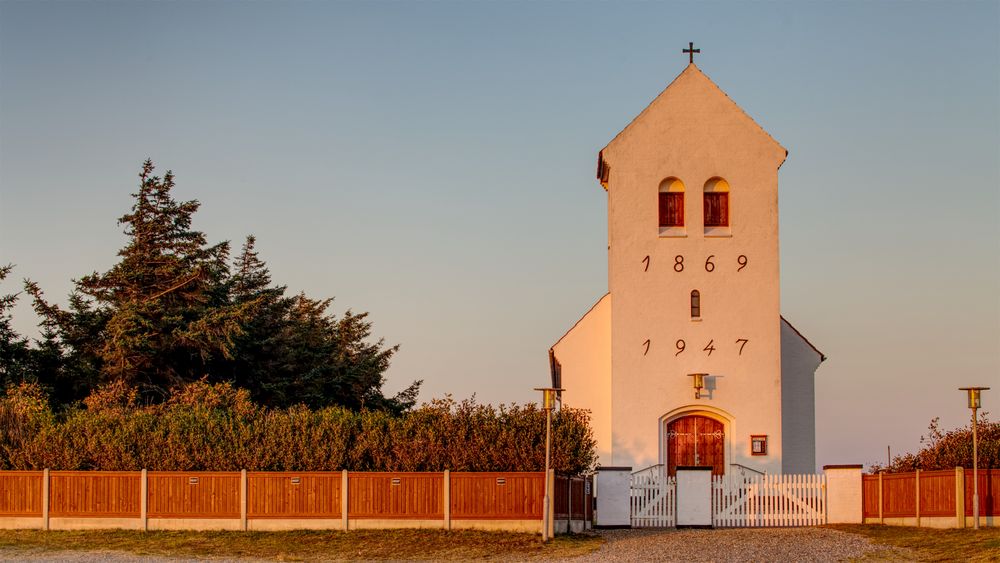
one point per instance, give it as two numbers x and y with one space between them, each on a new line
899 495
579 497
21 493
560 498
569 495
109 494
293 495
937 493
194 494
989 492
869 496
395 495
497 496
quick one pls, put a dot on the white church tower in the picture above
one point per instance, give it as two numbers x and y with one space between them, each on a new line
687 360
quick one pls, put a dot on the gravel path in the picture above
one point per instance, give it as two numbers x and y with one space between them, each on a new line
740 544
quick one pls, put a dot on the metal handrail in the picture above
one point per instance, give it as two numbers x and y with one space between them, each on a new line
650 469
743 467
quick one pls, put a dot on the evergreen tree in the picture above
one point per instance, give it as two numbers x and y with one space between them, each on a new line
293 351
172 311
158 317
67 359
15 364
257 359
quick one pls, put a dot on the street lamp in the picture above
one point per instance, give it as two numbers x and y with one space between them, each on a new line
975 402
548 403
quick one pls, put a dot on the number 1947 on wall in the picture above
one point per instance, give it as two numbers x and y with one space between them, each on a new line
681 345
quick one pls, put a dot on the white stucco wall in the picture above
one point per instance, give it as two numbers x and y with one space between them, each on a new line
694 132
843 494
613 494
799 361
584 355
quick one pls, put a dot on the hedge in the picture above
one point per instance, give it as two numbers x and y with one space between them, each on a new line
206 427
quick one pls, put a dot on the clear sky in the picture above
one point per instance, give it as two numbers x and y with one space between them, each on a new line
433 163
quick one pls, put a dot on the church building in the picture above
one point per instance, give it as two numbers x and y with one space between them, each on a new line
687 359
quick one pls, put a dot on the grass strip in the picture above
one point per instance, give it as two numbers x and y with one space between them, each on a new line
306 545
932 544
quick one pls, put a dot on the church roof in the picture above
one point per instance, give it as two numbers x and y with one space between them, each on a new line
690 77
822 356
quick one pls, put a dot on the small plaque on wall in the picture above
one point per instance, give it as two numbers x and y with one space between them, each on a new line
758 444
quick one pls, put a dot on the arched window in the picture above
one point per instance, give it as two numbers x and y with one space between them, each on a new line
716 206
695 304
671 207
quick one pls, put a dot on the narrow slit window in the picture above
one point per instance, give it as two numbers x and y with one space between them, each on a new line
695 304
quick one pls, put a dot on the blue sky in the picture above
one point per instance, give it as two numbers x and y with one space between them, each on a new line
432 163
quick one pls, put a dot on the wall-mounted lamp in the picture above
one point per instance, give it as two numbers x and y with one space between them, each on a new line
699 383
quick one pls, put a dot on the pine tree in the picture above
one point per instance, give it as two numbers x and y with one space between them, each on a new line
158 318
257 356
173 311
14 352
293 351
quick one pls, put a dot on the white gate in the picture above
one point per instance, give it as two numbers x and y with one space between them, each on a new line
653 498
768 500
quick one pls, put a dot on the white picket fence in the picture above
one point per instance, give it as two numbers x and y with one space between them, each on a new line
768 501
653 499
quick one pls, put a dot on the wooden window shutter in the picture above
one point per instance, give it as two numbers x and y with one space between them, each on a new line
671 209
717 209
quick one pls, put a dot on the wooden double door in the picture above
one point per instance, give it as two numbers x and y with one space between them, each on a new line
696 440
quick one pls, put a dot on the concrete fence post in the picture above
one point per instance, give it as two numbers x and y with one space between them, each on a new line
917 480
144 500
244 490
551 524
343 500
960 497
45 499
447 499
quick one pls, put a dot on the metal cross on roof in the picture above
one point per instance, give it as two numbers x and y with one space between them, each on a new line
691 51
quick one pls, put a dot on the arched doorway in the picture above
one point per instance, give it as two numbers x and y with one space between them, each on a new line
695 440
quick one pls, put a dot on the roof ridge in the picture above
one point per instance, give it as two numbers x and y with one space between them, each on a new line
822 356
692 67
578 321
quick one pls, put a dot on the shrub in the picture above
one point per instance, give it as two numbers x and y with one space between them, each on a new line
216 427
947 450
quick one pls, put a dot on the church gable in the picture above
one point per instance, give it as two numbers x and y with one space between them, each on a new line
581 364
695 112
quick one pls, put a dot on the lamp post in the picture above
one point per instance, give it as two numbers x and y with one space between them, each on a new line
975 402
548 403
